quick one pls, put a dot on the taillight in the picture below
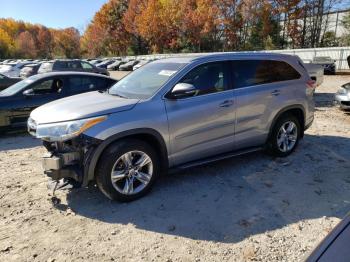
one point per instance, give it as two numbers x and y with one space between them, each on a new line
311 83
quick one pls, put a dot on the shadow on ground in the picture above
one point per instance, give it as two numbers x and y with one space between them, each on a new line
229 200
324 99
18 140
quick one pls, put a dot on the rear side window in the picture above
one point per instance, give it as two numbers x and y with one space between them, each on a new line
60 65
87 83
257 72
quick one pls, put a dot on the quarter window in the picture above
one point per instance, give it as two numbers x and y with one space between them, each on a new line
208 78
257 72
86 65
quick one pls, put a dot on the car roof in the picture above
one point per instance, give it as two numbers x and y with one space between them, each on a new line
224 55
70 73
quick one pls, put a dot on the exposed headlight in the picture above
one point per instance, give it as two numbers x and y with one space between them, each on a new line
66 130
342 91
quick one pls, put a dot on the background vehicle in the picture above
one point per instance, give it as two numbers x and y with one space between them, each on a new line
335 246
141 63
6 81
70 65
115 65
342 97
104 64
327 62
176 113
29 70
128 66
12 69
316 72
17 101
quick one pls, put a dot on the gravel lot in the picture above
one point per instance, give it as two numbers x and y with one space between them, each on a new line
249 208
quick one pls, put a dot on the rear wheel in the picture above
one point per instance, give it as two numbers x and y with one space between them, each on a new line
285 136
127 170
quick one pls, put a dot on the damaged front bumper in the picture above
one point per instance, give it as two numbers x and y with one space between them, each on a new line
69 160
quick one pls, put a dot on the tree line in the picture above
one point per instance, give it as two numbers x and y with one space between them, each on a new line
134 27
24 40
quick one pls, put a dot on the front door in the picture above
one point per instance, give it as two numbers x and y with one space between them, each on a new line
40 93
202 125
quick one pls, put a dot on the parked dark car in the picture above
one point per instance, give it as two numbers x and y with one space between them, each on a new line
6 81
104 64
17 101
129 65
335 247
115 65
70 65
29 70
327 62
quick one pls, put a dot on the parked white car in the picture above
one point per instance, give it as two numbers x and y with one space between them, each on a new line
316 72
12 69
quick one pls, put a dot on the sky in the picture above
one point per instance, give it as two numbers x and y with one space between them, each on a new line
52 13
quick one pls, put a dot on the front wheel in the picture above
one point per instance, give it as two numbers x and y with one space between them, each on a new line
127 170
285 136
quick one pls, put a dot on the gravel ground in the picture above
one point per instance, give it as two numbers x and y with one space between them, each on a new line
249 208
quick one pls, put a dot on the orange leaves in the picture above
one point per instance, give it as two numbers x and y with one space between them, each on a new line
25 40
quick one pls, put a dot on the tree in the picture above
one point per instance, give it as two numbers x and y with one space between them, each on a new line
67 43
6 44
106 34
25 45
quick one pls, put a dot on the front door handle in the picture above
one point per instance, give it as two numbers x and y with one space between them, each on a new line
226 103
275 92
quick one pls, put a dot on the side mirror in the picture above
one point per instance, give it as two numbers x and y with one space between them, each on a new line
28 92
182 90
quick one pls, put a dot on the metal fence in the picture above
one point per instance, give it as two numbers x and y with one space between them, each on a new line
340 54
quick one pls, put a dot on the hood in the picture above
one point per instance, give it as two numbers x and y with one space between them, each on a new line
81 106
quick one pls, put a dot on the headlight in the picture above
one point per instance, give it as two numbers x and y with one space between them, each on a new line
66 130
342 91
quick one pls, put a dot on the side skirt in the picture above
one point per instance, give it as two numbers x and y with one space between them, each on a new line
215 158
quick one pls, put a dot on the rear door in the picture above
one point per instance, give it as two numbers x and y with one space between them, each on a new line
202 125
261 89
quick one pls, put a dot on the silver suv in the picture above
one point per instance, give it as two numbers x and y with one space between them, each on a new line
175 113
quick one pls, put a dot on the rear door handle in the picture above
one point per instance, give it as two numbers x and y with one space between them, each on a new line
226 103
275 92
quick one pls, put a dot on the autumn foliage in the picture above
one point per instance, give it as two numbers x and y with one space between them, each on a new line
124 27
25 40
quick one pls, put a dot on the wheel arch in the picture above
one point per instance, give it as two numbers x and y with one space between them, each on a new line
297 110
149 135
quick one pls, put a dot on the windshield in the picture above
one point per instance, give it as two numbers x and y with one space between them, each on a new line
14 89
144 82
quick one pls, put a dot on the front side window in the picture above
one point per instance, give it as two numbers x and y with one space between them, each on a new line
50 86
208 78
256 72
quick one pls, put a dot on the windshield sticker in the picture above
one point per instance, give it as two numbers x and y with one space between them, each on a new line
166 72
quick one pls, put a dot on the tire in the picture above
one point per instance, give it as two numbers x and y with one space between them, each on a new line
274 146
116 158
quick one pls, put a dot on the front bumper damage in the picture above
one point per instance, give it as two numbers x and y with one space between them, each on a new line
69 160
